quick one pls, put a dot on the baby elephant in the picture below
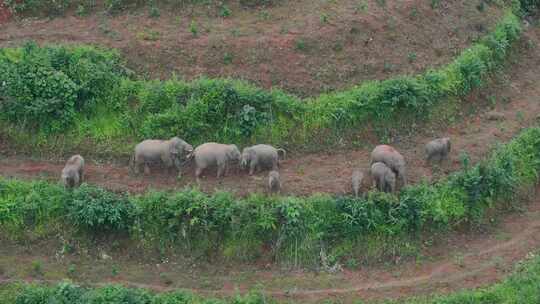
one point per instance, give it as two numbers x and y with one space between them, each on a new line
383 177
274 182
259 156
438 149
215 155
356 180
72 174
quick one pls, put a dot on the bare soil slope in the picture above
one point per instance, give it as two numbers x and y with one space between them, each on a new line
302 46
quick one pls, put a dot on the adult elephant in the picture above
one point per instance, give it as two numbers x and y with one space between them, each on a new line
217 155
170 153
260 156
392 158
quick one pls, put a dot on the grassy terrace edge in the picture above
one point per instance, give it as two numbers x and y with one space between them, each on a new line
101 106
522 286
220 226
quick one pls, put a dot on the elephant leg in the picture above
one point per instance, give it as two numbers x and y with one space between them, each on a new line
146 168
198 173
227 169
252 166
220 170
275 165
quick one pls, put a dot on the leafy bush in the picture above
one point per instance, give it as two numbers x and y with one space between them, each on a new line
96 210
45 87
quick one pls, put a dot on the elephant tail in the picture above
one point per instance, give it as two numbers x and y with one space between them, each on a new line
283 153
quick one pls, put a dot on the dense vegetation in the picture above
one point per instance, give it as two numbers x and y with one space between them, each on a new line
297 229
88 96
523 287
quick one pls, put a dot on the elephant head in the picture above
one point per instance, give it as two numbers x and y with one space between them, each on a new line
446 140
247 155
233 154
179 150
390 182
402 172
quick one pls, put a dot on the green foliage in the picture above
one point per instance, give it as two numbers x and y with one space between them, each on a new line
296 229
38 7
97 211
45 87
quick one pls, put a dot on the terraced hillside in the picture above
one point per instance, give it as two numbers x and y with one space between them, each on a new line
304 47
473 70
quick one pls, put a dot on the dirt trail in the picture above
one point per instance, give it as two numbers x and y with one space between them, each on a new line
517 98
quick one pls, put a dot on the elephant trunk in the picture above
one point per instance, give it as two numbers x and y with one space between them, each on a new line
403 175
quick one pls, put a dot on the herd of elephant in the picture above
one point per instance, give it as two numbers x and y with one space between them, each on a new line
387 164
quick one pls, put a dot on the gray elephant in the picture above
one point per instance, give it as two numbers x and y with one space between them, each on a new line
391 158
438 149
215 155
274 182
170 152
259 156
356 181
73 171
383 177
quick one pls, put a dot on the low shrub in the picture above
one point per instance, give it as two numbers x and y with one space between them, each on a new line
44 88
97 211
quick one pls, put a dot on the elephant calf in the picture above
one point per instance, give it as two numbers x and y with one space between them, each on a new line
72 174
383 177
169 152
391 158
259 156
274 182
438 149
356 180
215 155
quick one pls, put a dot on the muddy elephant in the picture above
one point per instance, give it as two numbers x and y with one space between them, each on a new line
73 171
391 158
261 156
217 155
171 153
356 181
383 177
438 149
274 182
